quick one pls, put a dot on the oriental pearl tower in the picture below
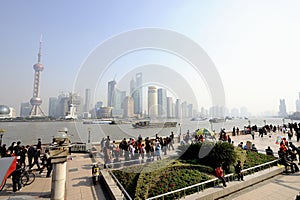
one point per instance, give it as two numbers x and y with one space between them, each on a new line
36 101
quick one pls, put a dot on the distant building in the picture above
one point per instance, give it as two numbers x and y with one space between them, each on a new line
184 109
128 106
170 107
162 102
190 111
152 102
7 112
104 112
282 108
87 102
111 93
25 109
217 111
53 106
178 109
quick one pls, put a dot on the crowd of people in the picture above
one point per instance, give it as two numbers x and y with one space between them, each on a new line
35 157
131 149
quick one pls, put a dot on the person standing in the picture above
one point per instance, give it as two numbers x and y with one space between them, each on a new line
48 163
238 171
237 130
30 154
252 134
220 174
16 177
158 151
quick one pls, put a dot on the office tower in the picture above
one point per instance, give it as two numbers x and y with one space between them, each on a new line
152 102
111 93
162 102
87 102
53 105
298 105
25 109
128 107
190 111
139 86
36 101
282 108
170 106
178 111
184 109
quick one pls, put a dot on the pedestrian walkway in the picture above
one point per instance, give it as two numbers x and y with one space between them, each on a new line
78 184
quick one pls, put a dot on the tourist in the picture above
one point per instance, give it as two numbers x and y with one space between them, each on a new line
293 147
238 171
158 152
30 154
252 134
16 177
237 130
253 148
220 174
240 145
3 151
48 163
36 157
229 139
39 144
233 131
269 151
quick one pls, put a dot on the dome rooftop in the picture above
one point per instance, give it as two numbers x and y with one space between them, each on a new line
4 110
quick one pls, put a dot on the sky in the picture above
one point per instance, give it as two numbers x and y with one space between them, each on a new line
254 46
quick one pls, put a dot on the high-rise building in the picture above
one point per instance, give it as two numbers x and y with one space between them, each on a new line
190 111
111 93
162 102
25 109
87 102
178 109
53 106
170 106
184 109
282 108
36 101
298 105
128 107
152 102
139 88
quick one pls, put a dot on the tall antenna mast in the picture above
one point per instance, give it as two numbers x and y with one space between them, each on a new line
40 49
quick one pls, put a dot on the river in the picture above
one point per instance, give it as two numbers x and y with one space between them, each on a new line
29 132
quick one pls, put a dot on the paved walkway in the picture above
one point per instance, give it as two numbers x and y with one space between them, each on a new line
78 185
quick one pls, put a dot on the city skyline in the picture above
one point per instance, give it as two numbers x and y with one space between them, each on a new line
254 46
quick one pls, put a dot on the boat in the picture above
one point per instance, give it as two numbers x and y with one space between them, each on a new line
199 119
217 120
99 122
148 124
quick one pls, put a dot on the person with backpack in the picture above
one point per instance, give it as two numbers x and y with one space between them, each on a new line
238 171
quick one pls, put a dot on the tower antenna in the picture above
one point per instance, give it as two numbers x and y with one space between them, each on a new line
40 49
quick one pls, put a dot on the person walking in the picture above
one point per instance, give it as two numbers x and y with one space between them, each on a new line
252 134
238 171
220 174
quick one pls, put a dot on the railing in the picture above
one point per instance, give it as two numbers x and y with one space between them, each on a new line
213 181
120 186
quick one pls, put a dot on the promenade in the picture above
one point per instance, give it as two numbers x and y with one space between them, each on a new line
79 184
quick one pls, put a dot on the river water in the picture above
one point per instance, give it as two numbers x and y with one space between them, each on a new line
29 132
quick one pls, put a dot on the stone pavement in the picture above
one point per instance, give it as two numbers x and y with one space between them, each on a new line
78 184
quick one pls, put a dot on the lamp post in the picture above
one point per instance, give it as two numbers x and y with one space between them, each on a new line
89 135
249 123
58 154
265 122
211 125
1 135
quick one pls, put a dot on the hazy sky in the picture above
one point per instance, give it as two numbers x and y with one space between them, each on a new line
255 45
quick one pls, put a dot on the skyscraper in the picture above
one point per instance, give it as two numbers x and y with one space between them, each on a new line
87 102
282 108
139 88
170 106
162 102
178 109
111 93
152 102
25 109
128 107
53 105
36 101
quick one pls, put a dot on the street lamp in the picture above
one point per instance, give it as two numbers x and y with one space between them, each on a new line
1 135
249 123
89 135
58 154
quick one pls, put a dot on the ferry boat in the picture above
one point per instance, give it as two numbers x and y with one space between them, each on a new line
111 122
217 120
148 124
199 119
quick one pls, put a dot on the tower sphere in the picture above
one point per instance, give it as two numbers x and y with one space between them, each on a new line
36 101
38 67
4 110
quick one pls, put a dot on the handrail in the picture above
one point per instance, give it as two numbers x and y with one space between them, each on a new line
120 185
209 181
